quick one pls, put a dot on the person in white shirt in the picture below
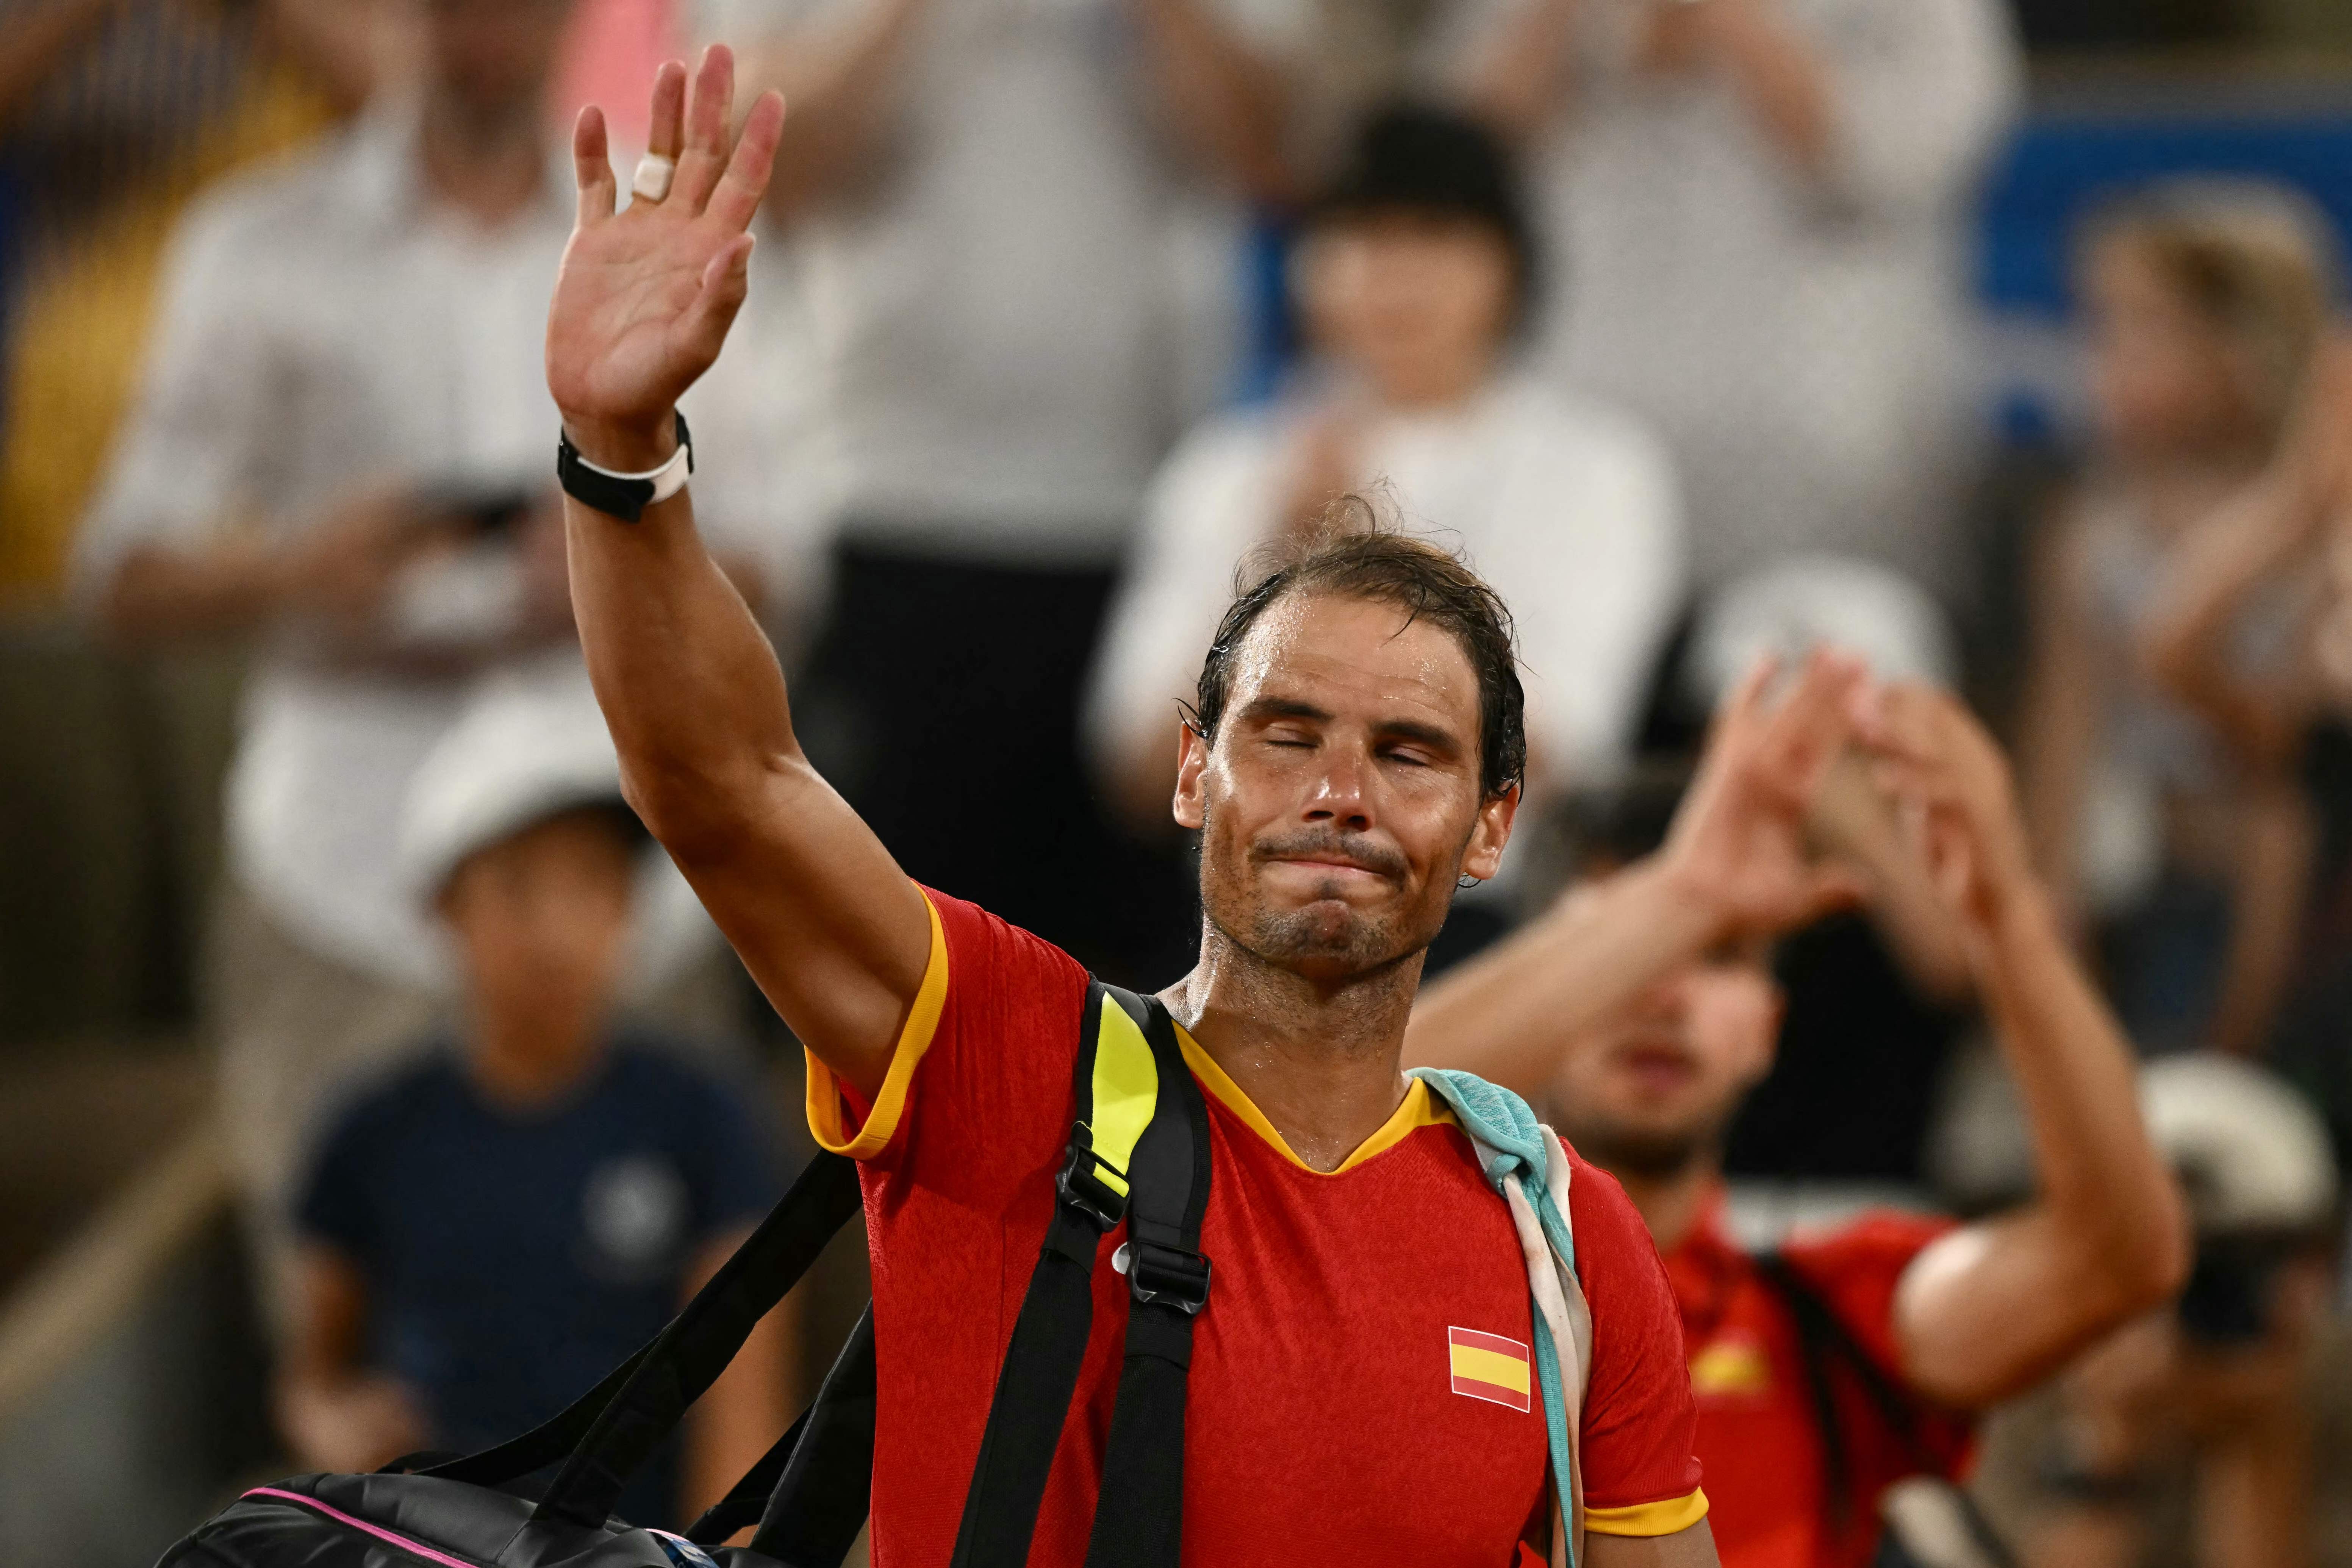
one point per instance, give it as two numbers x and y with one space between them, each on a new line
1411 276
1761 208
340 451
1002 208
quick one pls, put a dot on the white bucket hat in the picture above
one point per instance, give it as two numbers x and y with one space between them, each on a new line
531 744
1805 602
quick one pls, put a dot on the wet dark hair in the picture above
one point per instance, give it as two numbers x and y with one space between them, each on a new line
1354 554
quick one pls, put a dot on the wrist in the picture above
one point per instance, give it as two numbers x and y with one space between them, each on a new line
624 447
1689 904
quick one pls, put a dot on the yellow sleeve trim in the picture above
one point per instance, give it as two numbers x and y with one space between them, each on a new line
827 1123
1648 1517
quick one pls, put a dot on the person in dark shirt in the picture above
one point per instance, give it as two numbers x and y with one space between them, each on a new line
488 1230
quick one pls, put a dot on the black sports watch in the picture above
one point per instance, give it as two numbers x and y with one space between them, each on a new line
625 496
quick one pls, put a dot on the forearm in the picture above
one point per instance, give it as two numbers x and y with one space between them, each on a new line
1779 76
2095 1168
158 594
1519 80
2213 576
1506 1014
690 685
1228 105
1995 1308
733 1424
2266 910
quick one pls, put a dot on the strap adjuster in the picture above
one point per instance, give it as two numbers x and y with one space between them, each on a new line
1169 1274
1082 1188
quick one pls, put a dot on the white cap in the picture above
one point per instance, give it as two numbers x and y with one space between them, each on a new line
2252 1155
531 744
1806 601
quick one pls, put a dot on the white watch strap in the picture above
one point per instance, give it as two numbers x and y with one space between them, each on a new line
667 479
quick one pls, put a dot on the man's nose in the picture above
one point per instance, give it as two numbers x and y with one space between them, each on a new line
1342 793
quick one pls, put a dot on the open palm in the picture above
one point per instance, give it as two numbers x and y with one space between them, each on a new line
1741 835
645 296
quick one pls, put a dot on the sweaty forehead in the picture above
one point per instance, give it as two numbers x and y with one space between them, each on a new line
1342 654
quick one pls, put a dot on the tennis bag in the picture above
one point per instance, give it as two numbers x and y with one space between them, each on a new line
1137 1155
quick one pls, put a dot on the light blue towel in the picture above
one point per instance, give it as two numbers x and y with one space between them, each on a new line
1510 1144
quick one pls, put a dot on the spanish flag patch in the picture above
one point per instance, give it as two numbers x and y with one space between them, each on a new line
1490 1367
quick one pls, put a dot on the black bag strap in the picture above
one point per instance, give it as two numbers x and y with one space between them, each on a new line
619 1430
1120 1092
1140 1516
810 1491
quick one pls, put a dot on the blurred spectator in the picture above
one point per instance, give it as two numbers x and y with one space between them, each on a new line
1847 1360
2186 844
991 196
2289 534
486 1232
1412 273
345 450
2211 1398
113 115
1760 209
1838 1104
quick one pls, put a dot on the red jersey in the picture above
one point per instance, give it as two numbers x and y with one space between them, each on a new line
1758 1434
1361 1388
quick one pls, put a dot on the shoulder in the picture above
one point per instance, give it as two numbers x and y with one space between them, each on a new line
991 962
1225 451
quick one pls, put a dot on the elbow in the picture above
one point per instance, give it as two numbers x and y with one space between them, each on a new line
701 810
2142 1253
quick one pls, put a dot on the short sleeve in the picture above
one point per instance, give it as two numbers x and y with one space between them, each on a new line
1856 1270
1640 1425
736 1152
336 1203
979 1084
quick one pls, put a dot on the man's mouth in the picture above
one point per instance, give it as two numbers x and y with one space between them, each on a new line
1658 1067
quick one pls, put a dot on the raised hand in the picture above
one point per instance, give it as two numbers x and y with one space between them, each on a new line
1958 805
1740 841
645 296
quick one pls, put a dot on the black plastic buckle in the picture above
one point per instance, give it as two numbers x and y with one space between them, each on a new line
1169 1274
1087 1191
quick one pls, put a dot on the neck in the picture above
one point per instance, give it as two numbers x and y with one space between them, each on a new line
527 1062
1435 390
1320 1059
1670 1204
487 164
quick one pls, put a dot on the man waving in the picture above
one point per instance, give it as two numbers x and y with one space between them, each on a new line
1356 752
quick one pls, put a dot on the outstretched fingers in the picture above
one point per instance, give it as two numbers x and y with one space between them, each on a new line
707 112
592 167
666 123
739 191
726 280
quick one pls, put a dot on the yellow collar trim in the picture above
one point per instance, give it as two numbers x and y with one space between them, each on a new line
1420 1109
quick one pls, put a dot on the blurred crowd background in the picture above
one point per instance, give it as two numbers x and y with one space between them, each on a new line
1995 341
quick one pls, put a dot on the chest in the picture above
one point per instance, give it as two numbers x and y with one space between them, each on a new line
1363 1365
462 1199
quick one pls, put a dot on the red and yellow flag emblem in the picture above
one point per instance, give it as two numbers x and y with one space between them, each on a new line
1488 1366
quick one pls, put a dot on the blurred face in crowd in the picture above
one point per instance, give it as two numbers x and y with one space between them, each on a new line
1418 303
492 57
2165 379
1341 799
1655 1087
542 920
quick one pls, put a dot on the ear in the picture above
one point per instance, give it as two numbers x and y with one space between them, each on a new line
1191 763
1484 855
